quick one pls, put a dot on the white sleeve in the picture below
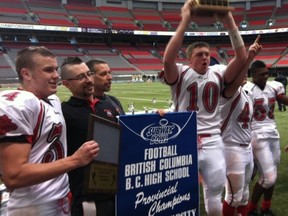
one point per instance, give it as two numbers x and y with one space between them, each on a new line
219 68
19 111
279 87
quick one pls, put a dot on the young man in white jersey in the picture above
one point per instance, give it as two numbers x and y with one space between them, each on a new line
237 112
198 87
265 136
33 147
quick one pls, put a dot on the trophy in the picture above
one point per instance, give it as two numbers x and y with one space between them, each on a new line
211 7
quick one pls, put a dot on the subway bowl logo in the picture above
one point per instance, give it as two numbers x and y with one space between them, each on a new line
160 133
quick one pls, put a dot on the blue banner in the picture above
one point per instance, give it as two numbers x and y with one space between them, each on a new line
158 165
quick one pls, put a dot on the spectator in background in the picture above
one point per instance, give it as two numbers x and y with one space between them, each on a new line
282 79
33 145
153 78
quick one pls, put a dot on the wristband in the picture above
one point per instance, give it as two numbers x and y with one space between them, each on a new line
236 39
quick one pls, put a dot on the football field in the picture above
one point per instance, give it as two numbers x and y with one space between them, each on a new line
140 94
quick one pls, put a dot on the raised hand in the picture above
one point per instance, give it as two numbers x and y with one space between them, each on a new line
255 48
187 9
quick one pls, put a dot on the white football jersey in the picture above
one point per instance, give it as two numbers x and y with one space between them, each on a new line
200 93
43 125
236 113
264 104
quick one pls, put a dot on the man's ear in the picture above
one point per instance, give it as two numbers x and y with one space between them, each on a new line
65 83
26 74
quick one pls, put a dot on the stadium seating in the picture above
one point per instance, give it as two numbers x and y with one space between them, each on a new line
120 18
14 11
129 57
134 60
258 16
85 15
7 73
143 60
280 16
150 19
270 53
49 13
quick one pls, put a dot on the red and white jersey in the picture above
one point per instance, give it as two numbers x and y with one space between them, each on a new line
43 125
200 93
237 113
264 104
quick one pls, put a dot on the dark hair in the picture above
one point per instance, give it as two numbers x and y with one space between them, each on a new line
24 58
93 62
69 61
256 65
194 45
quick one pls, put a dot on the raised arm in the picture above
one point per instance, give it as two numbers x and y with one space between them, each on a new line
173 46
253 51
238 46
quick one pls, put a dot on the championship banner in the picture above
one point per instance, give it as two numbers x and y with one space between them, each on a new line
158 165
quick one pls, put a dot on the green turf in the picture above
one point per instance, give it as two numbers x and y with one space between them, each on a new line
141 95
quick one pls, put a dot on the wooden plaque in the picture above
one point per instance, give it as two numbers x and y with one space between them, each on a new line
102 174
211 7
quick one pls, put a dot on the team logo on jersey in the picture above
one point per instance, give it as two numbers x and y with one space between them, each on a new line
161 132
6 125
11 96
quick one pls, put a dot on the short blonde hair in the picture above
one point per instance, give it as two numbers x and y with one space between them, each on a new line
24 58
194 45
